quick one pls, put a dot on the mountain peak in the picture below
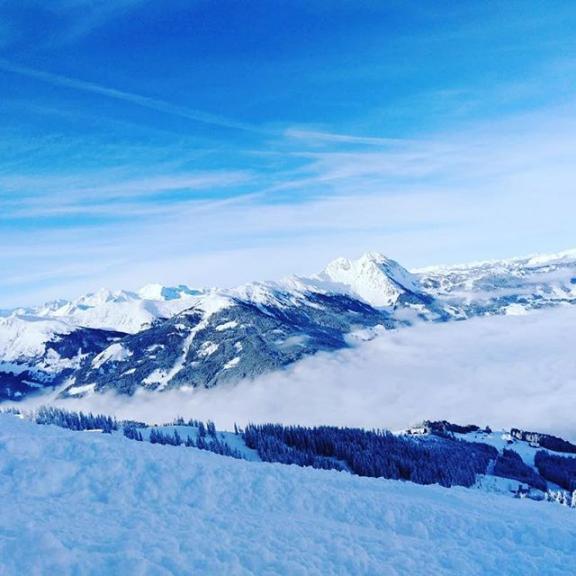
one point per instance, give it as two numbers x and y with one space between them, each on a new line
104 296
375 258
374 277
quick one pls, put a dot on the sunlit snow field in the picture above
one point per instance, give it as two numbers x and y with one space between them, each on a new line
81 503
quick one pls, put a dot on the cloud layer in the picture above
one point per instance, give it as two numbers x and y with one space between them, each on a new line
498 371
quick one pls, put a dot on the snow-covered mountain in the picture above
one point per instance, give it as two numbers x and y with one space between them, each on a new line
504 286
160 337
38 352
121 310
376 279
225 338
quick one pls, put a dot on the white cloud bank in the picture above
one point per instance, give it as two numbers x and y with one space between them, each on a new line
501 371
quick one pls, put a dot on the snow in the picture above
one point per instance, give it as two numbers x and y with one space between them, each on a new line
212 303
121 310
545 276
261 294
25 337
564 256
503 439
81 390
154 347
375 278
104 295
515 310
496 485
231 363
534 260
126 316
95 504
129 317
233 440
163 377
151 292
207 349
156 377
114 353
226 326
383 374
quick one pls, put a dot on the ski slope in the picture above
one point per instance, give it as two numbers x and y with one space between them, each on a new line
94 504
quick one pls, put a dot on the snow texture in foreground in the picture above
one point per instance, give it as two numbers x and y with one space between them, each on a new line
81 503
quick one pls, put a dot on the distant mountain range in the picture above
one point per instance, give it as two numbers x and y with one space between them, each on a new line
161 338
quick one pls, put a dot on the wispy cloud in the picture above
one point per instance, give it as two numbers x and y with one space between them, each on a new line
477 156
91 14
318 137
478 193
78 18
239 240
85 190
130 97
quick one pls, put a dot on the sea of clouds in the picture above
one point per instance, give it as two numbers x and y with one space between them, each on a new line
498 371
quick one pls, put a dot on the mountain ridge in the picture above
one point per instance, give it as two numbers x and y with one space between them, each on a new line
202 338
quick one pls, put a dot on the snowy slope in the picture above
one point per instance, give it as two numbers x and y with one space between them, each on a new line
121 310
91 504
22 337
38 352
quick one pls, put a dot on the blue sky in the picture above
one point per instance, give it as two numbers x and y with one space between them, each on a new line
219 142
